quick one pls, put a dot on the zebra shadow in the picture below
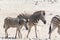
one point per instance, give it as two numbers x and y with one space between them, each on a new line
8 38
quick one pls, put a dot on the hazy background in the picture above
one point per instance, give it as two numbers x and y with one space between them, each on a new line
14 7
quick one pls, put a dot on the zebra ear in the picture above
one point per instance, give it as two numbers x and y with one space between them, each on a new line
43 13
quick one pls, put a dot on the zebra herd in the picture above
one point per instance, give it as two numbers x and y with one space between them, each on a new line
24 20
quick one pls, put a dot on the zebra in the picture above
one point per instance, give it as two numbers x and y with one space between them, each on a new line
33 20
17 22
55 23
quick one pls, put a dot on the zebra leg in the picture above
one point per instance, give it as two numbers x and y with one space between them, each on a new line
16 33
6 34
51 30
25 24
29 31
36 31
19 33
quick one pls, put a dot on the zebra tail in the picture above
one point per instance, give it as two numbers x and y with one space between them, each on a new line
50 29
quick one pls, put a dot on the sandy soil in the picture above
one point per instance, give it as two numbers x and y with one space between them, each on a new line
13 8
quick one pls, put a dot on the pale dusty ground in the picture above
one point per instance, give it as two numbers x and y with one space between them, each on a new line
12 8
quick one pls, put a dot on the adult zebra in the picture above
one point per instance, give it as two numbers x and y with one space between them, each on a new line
55 23
17 22
33 20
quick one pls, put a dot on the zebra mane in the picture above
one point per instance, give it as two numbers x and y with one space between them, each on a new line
35 17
